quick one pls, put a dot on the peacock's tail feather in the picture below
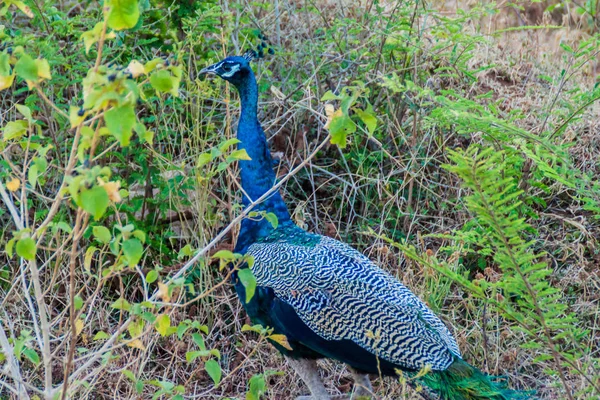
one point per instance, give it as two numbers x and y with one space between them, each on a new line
462 381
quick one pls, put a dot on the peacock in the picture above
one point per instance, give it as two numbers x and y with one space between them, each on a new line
328 299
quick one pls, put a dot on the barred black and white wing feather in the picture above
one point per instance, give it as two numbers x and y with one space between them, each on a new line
340 294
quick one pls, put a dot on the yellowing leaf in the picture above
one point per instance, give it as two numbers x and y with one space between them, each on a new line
163 292
329 112
136 344
43 69
23 7
13 185
136 68
74 116
112 189
78 326
6 81
281 340
163 323
15 129
93 36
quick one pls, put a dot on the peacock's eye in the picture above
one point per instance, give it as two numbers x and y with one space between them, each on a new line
226 67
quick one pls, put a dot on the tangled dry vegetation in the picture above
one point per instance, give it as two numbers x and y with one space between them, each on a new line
382 189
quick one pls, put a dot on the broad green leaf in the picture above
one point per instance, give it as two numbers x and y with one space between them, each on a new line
15 129
163 81
120 122
340 127
257 387
26 112
101 336
27 68
94 201
32 175
26 248
31 355
214 371
273 220
163 323
78 302
249 281
121 304
240 154
132 250
9 247
199 340
228 143
152 276
329 95
92 36
368 118
102 234
224 254
123 14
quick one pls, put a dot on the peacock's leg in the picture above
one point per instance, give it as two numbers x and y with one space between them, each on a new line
362 384
308 371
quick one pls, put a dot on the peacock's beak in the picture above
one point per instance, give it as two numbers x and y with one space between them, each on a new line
210 70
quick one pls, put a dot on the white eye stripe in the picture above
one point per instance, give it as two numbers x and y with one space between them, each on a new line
234 68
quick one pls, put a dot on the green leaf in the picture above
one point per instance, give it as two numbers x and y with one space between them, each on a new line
163 323
240 154
9 247
199 340
94 201
273 220
368 118
26 248
257 387
27 68
4 64
214 371
120 122
15 129
32 175
132 250
78 302
249 281
121 304
224 254
26 112
329 95
130 375
102 234
123 14
190 356
31 355
152 276
163 81
101 336
340 127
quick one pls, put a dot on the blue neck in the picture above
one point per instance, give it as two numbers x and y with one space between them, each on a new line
258 176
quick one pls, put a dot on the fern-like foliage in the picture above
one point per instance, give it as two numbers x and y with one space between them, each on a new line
524 294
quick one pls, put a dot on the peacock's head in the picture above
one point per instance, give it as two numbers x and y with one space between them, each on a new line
234 69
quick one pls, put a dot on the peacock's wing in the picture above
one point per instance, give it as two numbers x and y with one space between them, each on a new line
340 294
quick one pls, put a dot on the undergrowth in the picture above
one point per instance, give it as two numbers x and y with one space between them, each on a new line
450 148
